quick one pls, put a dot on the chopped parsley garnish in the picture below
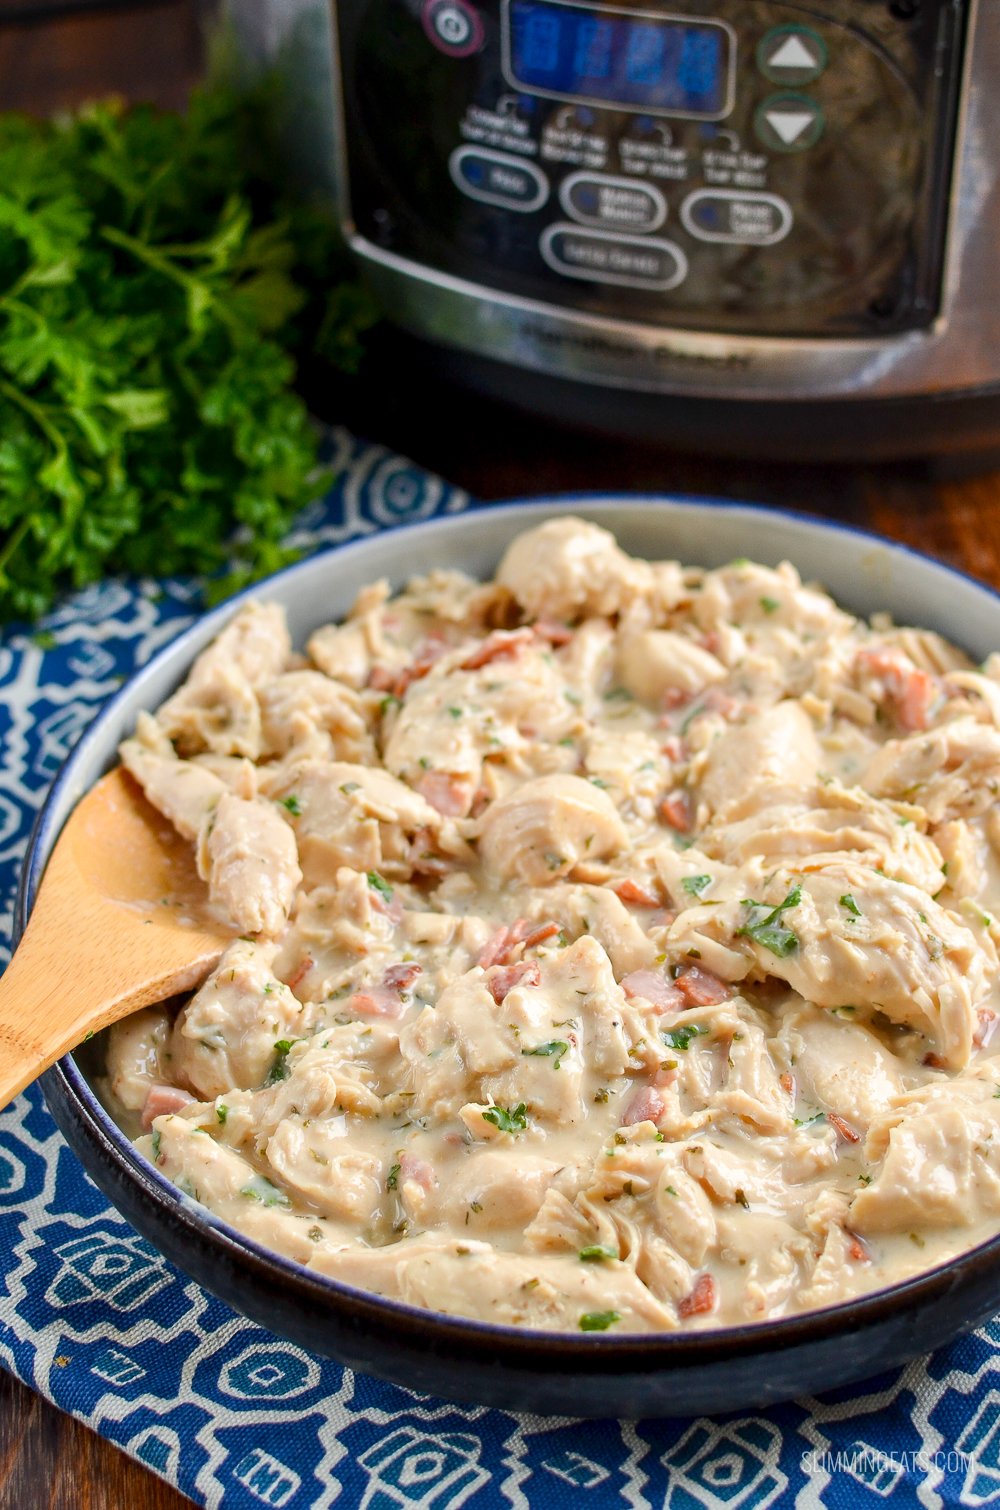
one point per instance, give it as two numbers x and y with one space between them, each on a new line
681 1038
598 1321
809 1121
348 787
507 1119
618 695
279 1069
765 927
455 712
392 1178
157 1140
222 1112
770 605
850 905
556 1047
292 804
596 1252
389 702
260 1189
695 885
379 884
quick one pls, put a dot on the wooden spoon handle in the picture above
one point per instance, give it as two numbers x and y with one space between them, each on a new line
94 972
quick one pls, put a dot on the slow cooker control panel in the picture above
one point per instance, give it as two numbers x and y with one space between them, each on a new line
727 165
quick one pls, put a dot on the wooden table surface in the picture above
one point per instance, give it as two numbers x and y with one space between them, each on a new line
46 1459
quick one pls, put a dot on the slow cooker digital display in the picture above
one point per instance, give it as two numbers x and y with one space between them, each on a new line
636 60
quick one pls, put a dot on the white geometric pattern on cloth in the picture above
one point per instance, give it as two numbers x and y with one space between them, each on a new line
93 1318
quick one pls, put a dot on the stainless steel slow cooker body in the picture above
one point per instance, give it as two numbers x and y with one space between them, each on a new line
757 203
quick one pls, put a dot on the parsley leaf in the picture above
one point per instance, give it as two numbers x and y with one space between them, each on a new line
379 884
695 885
555 1046
598 1321
850 905
507 1119
682 1037
596 1253
765 927
279 1067
261 1189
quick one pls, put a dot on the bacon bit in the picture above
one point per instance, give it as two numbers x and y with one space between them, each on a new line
857 1248
430 650
503 978
540 934
702 988
675 811
674 698
845 1130
986 1029
701 1299
647 1105
787 1083
912 690
421 854
673 748
480 802
300 972
631 891
381 679
556 634
400 977
655 988
934 1062
161 1101
727 707
392 910
418 1170
450 795
378 1001
502 644
495 948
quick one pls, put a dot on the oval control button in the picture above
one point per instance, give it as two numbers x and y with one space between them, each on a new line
620 203
736 216
496 178
633 261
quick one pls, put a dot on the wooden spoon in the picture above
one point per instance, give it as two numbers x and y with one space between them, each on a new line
121 920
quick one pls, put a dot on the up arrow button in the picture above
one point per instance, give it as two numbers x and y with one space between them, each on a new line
791 55
789 122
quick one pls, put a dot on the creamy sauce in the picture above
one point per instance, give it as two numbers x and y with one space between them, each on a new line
619 949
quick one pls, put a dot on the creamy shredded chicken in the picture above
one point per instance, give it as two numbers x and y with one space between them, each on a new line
618 943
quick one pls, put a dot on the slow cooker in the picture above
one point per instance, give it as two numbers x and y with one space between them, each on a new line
760 225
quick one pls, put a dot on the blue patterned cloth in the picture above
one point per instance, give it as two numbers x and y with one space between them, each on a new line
93 1318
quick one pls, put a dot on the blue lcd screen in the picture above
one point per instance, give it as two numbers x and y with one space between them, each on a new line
636 61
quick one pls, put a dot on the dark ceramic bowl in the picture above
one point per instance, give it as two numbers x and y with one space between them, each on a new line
640 1375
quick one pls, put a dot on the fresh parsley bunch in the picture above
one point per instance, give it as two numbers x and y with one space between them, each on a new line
154 290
